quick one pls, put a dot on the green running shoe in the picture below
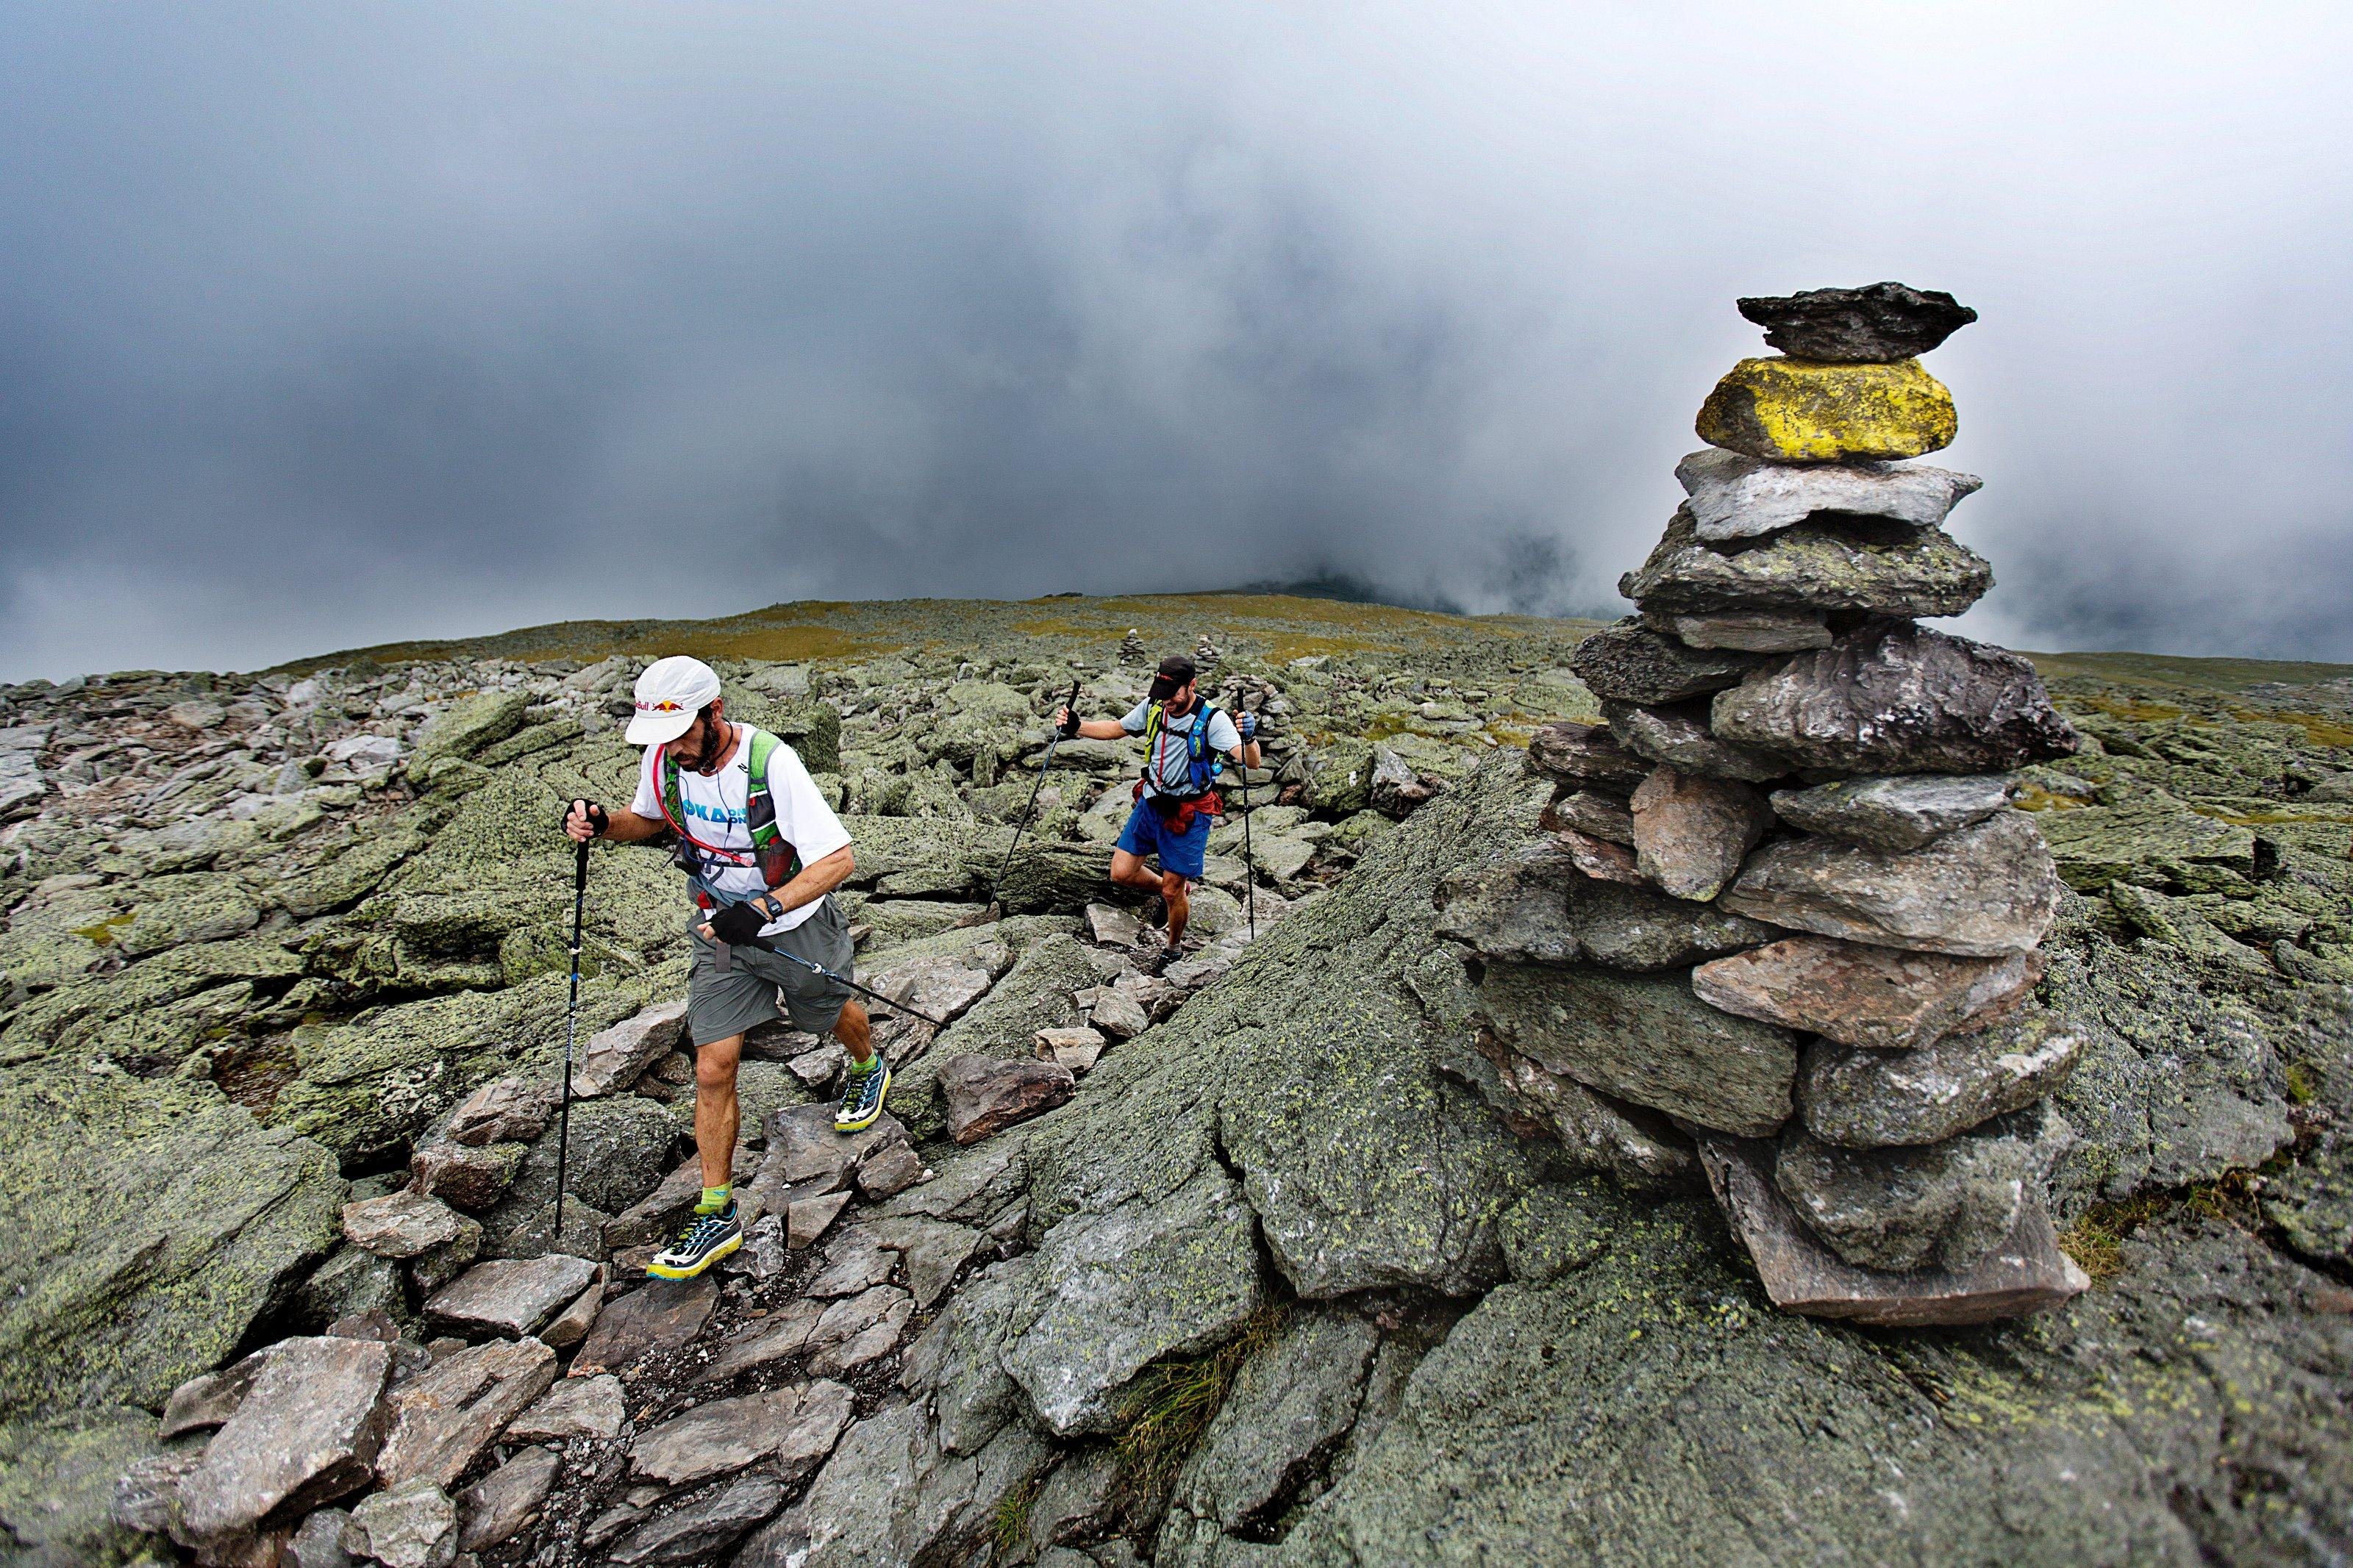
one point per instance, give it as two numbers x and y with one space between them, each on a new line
862 1096
707 1239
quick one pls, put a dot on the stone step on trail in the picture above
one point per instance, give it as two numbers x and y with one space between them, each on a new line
310 1430
444 1418
510 1295
656 1316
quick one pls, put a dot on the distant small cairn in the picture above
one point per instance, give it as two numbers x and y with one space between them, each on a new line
1797 815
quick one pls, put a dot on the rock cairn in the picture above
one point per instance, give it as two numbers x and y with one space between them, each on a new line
1802 917
1131 648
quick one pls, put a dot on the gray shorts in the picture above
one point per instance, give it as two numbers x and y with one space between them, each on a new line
720 1004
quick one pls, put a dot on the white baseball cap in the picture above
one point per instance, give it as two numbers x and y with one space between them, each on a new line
670 694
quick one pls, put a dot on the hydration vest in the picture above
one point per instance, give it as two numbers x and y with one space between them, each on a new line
777 860
1204 765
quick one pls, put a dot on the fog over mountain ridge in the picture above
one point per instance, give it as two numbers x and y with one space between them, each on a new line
329 329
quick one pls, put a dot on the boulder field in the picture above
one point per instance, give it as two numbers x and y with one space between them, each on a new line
1430 1213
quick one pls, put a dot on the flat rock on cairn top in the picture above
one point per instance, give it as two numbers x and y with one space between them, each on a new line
1872 325
1871 1097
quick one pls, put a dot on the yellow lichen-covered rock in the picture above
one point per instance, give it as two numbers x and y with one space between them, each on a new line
1797 411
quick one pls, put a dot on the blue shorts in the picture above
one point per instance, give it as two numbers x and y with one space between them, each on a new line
1145 833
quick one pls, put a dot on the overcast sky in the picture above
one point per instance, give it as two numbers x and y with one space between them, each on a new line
324 325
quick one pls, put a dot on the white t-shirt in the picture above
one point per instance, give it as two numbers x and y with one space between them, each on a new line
1171 769
718 809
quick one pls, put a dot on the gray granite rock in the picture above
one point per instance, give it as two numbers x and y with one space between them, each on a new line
1636 1146
504 1111
1648 1039
1692 832
1605 817
1857 994
1876 324
1866 1098
854 1262
210 1399
1604 861
1982 892
793 1428
1630 663
612 1058
1734 496
658 1316
933 1250
1119 1013
494 1509
1893 698
765 1340
1113 1292
1534 903
891 1495
468 1178
445 1417
1077 1502
2026 1273
1751 631
1679 737
985 1094
404 1224
703 1529
1947 1205
577 1406
318 1541
1821 566
412 1525
1894 814
1586 754
1289 1407
510 1295
307 1432
806 1155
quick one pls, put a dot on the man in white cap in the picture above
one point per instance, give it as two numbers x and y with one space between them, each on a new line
761 849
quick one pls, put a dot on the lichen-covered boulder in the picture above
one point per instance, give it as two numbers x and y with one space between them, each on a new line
120 1289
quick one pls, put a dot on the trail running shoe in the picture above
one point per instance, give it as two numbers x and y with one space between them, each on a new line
861 1098
707 1239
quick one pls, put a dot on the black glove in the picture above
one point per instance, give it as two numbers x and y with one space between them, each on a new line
598 821
738 925
1070 724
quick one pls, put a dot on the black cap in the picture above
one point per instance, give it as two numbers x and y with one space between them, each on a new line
1177 669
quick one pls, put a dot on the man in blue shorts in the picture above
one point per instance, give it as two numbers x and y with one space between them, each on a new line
1175 805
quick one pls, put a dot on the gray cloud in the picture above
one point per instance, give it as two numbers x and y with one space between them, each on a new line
331 326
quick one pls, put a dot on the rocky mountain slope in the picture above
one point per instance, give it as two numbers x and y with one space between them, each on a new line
1263 1261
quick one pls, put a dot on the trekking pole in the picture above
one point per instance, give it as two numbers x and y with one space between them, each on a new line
1250 886
571 1025
844 980
1022 826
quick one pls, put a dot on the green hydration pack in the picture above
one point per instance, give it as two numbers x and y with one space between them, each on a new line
1204 764
777 860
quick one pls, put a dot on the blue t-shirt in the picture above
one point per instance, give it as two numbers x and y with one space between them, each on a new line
1169 769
